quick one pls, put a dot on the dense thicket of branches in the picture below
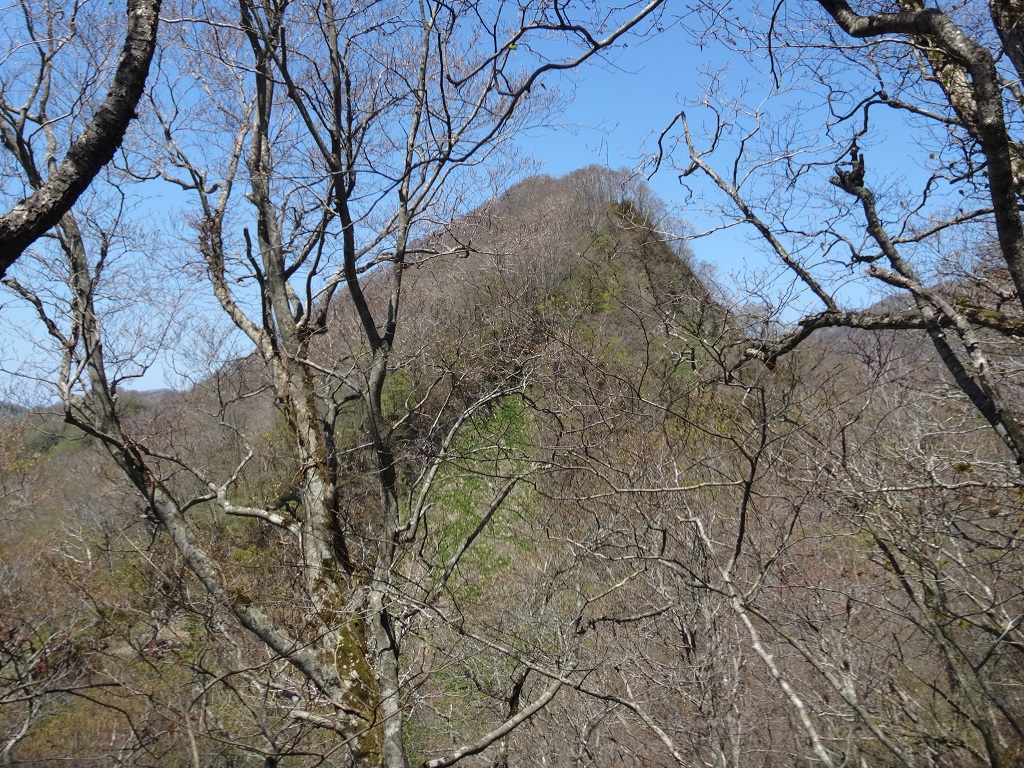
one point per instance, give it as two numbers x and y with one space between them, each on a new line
454 479
938 225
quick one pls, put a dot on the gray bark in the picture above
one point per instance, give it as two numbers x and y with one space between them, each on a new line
984 118
32 217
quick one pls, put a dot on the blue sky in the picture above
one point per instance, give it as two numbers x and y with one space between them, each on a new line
615 107
615 111
618 109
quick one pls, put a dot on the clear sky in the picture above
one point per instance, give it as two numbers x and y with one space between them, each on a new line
619 108
617 111
615 107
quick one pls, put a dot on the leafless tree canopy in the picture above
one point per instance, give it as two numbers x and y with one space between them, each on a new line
33 102
469 468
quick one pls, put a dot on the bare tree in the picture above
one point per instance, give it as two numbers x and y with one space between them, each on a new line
930 68
36 96
321 148
898 458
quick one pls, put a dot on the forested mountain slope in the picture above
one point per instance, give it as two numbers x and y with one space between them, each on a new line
567 522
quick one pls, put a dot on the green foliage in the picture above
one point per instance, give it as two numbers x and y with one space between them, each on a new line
492 446
49 437
604 245
594 287
398 390
473 694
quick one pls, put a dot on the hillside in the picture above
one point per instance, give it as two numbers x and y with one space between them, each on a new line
560 520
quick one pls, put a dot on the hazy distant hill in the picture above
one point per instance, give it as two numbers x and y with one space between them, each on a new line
10 411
